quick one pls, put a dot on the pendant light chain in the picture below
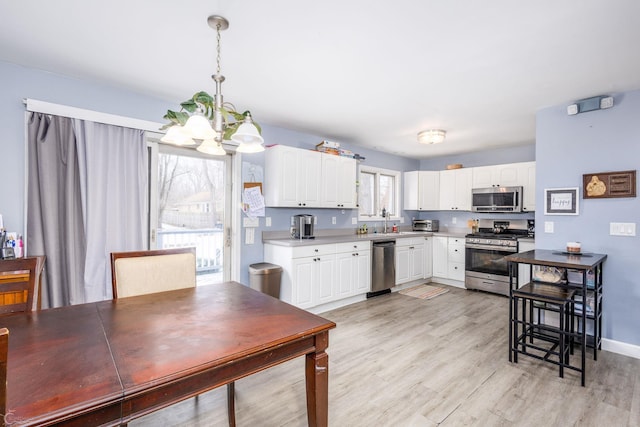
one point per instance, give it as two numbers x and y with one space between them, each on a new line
218 49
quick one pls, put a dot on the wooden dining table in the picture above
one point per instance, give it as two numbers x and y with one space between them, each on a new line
108 362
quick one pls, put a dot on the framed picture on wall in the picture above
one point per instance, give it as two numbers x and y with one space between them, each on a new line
561 201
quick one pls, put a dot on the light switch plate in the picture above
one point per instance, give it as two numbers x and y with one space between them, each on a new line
249 236
627 229
548 226
267 221
401 220
333 220
250 222
354 221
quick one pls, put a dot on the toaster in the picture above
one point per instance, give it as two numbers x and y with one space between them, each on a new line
426 225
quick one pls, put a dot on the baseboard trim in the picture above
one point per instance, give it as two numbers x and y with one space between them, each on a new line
620 347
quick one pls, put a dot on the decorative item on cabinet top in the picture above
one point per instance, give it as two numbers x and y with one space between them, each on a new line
331 147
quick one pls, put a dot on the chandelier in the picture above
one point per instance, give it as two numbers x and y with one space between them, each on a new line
431 136
208 119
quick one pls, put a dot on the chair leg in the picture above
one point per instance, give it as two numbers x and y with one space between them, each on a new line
231 398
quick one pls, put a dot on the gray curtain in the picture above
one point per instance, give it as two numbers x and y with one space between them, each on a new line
54 215
87 197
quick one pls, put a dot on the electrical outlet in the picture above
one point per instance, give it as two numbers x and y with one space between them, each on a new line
354 221
267 221
333 220
454 220
401 220
315 220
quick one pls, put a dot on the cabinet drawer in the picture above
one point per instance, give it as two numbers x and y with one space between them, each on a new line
456 271
410 241
456 253
456 241
307 251
353 246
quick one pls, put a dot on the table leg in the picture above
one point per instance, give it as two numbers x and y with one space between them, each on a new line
317 375
231 403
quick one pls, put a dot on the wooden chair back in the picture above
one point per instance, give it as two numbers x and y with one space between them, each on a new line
147 272
4 351
18 279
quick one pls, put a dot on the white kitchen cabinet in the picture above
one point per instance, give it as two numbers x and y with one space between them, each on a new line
505 175
421 190
409 259
524 272
456 258
449 258
338 182
440 256
353 262
455 189
527 179
314 275
402 263
292 177
428 257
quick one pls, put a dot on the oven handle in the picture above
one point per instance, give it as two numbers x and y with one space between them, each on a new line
492 248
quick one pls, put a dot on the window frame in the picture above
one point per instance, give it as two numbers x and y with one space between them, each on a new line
378 172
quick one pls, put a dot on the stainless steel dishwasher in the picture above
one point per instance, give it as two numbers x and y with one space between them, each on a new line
383 267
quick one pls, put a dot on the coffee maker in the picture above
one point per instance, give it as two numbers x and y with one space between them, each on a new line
302 227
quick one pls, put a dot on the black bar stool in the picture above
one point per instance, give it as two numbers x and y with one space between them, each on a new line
542 341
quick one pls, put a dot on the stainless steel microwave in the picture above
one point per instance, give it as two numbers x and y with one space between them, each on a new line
496 199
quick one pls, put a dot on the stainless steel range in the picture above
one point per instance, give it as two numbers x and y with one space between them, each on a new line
485 266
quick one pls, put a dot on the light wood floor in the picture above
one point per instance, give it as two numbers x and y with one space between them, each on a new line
395 360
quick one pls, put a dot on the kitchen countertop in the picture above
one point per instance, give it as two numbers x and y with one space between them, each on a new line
352 237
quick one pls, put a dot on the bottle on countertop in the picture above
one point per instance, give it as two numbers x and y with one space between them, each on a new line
394 229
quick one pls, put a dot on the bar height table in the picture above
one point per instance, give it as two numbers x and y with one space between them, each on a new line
564 260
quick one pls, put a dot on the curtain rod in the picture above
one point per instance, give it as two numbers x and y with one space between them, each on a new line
94 116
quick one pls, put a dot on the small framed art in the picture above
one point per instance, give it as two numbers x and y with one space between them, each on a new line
561 201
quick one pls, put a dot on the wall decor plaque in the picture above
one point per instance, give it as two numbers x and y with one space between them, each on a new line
604 185
561 201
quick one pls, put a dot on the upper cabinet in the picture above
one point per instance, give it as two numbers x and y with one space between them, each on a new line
510 175
527 179
293 178
455 189
496 176
422 190
338 182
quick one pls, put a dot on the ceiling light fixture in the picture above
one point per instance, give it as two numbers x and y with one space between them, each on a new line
211 120
431 136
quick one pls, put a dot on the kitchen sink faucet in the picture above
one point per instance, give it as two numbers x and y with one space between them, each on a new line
385 215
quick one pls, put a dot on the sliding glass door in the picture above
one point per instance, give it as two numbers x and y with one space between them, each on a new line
190 202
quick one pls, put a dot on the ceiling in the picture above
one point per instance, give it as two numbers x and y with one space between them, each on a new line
362 72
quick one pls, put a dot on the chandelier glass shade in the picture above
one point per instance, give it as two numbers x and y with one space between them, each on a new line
209 120
431 136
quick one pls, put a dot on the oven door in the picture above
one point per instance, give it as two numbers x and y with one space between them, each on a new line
487 269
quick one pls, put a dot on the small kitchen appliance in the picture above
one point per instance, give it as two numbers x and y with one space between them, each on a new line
426 225
302 227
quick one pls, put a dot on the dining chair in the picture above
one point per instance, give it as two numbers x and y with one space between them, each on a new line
4 351
146 272
18 278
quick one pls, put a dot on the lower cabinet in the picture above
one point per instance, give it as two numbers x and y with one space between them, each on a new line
410 259
524 270
353 269
448 258
320 274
